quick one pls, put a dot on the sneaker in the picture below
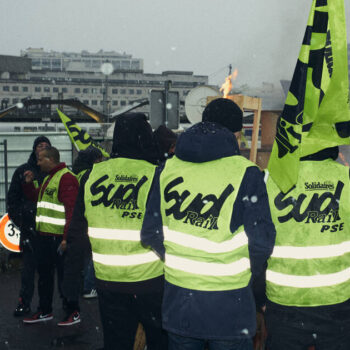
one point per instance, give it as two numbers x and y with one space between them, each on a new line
91 294
38 317
70 319
21 309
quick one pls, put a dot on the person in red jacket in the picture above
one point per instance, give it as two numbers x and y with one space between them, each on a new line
56 195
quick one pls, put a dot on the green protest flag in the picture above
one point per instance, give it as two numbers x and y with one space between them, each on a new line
80 138
316 113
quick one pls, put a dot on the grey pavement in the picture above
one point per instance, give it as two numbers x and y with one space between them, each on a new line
14 335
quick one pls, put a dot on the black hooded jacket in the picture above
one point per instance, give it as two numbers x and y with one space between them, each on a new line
21 210
221 314
132 139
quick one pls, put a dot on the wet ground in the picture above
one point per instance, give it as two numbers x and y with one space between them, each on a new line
14 335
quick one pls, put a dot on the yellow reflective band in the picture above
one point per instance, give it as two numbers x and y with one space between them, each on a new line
49 220
208 269
308 281
52 206
114 234
125 260
190 241
316 252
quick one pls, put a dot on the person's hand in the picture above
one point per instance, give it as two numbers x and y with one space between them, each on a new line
62 247
28 176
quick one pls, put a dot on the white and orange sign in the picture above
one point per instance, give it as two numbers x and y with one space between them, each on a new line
9 234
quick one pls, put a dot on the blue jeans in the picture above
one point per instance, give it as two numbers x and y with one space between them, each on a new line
177 342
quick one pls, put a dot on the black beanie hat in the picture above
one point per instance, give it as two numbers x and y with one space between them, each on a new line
224 112
40 139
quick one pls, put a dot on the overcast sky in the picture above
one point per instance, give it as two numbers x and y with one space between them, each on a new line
261 38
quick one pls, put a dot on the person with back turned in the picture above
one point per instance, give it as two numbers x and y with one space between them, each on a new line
208 217
108 216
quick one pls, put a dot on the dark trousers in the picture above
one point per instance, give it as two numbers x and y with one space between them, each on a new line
29 266
89 275
121 314
49 260
177 342
291 328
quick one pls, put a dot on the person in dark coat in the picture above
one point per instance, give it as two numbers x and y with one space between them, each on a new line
22 213
124 302
224 317
83 163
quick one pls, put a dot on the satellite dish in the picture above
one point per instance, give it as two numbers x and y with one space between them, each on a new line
196 100
107 68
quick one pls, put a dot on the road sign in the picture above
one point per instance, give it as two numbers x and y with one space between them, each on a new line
9 234
164 109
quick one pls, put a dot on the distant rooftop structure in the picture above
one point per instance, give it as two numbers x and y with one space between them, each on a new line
80 62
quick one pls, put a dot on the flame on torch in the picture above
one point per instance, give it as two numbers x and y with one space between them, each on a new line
226 87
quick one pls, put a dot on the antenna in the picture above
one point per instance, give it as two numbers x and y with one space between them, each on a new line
196 100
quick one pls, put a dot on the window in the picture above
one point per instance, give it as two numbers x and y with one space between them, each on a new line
85 91
102 91
101 103
46 89
15 88
131 91
123 91
123 103
86 102
114 91
139 92
64 90
56 63
55 89
30 128
77 90
5 88
115 103
25 88
35 62
94 102
37 89
135 64
15 100
125 65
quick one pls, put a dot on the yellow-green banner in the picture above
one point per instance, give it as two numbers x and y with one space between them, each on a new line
316 113
80 138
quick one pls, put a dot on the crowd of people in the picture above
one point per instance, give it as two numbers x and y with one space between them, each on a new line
187 237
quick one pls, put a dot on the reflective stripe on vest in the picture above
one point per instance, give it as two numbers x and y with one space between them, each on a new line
115 196
237 241
50 214
125 260
310 263
201 251
207 269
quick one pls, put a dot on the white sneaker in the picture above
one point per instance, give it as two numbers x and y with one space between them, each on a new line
91 294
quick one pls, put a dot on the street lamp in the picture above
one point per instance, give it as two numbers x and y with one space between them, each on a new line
106 69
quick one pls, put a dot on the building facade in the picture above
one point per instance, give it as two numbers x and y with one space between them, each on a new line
54 75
